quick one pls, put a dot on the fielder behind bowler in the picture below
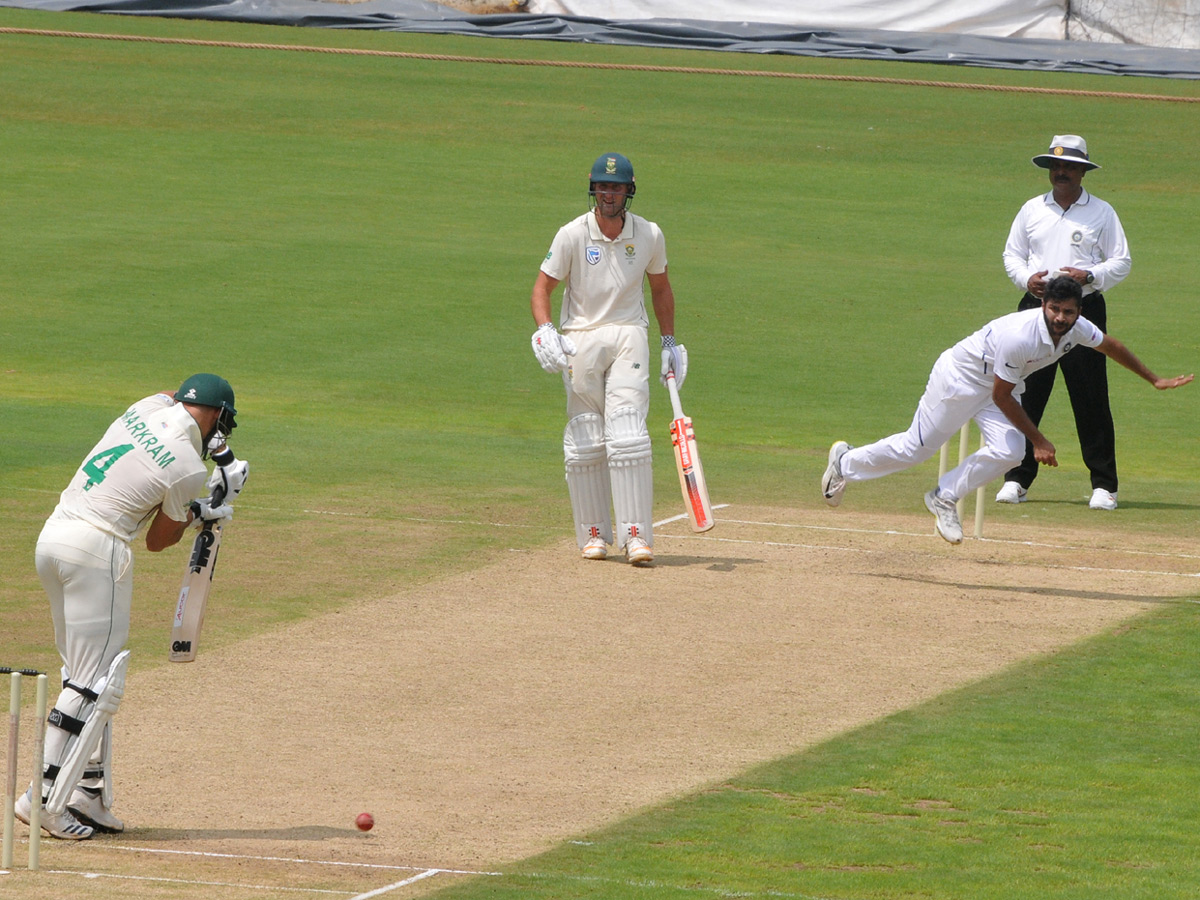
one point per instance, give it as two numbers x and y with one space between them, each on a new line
603 257
981 378
148 467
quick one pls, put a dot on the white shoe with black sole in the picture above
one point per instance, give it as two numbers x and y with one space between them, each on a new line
833 484
64 826
89 809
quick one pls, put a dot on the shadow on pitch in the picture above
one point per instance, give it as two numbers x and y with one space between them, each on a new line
1150 505
711 563
1035 591
293 833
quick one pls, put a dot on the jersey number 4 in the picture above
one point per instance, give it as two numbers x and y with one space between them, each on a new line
95 467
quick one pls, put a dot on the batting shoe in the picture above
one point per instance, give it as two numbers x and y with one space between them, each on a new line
63 826
1102 499
833 485
89 809
595 549
948 525
638 552
1012 492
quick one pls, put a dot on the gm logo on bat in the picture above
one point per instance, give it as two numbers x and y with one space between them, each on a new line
202 549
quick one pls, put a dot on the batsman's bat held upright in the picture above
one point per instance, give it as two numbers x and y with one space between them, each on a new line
687 461
226 482
193 593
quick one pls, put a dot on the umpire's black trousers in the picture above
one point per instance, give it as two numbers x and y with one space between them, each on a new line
1086 376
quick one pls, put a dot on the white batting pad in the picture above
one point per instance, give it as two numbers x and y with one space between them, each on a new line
629 469
109 689
587 478
106 782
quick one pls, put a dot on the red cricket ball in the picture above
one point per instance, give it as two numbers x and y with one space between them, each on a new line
365 821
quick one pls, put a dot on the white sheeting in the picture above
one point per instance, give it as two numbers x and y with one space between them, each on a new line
992 18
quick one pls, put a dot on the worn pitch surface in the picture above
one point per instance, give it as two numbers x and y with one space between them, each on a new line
487 716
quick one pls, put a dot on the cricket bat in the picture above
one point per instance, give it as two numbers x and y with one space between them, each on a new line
193 593
687 460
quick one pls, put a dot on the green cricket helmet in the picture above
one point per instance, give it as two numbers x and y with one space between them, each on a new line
612 168
210 390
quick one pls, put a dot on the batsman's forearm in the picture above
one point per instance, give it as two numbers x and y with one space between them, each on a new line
165 532
662 297
539 302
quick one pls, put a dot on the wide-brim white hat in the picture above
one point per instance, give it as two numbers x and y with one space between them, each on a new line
1068 147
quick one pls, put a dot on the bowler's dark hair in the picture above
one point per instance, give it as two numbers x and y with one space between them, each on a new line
1063 288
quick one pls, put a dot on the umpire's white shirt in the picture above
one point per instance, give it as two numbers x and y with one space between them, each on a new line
1088 235
602 278
1014 345
149 456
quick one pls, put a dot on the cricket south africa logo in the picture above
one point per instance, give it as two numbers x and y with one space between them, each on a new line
630 251
592 254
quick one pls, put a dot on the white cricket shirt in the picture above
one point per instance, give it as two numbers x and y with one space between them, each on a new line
1088 235
1014 345
602 278
149 456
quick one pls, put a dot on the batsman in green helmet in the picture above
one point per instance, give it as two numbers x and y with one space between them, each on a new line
146 471
601 351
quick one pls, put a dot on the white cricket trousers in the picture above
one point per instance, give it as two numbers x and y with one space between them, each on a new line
609 371
949 402
88 577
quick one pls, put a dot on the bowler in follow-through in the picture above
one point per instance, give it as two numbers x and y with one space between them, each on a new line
981 378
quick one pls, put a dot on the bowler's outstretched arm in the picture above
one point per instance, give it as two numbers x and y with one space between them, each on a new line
1118 352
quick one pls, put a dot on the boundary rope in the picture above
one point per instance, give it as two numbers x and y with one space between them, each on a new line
625 67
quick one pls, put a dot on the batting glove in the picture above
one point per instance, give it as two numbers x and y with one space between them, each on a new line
229 477
674 359
204 512
552 348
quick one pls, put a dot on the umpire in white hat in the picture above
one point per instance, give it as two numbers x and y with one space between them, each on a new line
1071 230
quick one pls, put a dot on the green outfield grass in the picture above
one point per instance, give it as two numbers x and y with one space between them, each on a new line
352 241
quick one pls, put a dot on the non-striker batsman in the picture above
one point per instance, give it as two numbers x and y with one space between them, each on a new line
147 468
602 258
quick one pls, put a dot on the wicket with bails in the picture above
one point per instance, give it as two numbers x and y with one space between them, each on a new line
963 452
39 746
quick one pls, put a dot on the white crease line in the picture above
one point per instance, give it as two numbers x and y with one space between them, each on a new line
286 859
721 540
227 884
1121 571
986 540
387 889
358 515
682 516
870 551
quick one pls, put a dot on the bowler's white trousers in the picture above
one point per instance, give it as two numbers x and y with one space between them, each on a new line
949 402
